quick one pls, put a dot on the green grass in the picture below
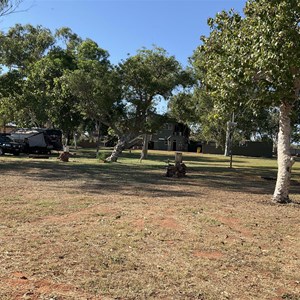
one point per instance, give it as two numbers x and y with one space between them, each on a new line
213 171
85 160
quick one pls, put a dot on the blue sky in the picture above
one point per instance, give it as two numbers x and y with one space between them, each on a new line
123 26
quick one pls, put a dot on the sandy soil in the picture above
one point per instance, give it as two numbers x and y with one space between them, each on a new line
133 234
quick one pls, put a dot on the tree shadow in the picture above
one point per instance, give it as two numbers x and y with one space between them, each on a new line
99 178
148 179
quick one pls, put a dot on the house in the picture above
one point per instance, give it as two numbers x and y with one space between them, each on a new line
172 136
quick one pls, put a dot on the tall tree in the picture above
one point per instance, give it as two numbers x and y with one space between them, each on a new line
148 77
96 84
259 53
208 119
23 45
43 96
10 88
99 93
41 60
20 48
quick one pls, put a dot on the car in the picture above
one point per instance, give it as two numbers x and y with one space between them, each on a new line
7 145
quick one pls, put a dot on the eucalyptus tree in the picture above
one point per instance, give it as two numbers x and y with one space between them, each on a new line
259 52
44 99
67 39
96 84
10 88
41 58
99 95
23 45
208 120
196 109
147 78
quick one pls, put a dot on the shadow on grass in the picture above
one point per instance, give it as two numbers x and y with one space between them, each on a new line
99 178
135 178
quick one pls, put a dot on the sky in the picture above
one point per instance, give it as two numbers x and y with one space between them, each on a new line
123 26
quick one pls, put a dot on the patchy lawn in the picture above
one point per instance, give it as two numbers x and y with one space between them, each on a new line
89 230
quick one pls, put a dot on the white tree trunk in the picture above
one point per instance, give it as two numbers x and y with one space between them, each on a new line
229 137
284 159
120 146
228 140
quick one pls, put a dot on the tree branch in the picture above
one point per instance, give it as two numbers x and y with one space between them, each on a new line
8 7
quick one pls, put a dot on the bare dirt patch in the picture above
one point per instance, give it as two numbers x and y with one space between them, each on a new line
122 231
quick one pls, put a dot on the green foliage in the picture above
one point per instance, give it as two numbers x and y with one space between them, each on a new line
98 91
89 51
249 65
147 78
70 39
182 107
23 45
38 63
253 58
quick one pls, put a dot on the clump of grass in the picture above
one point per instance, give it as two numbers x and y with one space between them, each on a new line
101 156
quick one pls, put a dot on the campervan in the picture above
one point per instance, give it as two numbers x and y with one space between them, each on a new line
39 140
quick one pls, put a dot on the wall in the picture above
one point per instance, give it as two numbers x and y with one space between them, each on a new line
248 148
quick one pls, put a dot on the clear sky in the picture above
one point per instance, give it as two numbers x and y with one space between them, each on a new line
124 26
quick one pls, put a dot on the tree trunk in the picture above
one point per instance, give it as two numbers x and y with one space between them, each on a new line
67 138
284 159
229 137
121 144
144 153
75 140
98 137
228 140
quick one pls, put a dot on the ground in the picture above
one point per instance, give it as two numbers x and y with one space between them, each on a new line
88 230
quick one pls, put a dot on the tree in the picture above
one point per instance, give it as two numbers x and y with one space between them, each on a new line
99 94
35 54
10 88
196 109
96 84
23 45
46 101
20 48
208 119
260 54
148 77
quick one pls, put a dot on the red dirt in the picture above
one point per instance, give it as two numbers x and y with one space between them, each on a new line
208 254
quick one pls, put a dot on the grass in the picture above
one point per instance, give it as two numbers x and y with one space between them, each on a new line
90 230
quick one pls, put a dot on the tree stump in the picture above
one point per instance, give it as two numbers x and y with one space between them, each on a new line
178 157
177 170
64 156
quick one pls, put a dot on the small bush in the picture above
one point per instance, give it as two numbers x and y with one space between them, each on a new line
101 156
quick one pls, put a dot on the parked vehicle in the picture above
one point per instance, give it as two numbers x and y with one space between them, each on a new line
39 140
7 145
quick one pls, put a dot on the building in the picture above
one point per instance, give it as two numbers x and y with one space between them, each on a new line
172 136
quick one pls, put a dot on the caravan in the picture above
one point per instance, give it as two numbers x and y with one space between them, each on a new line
39 140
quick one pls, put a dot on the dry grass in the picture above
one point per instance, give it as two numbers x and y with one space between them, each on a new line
88 230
